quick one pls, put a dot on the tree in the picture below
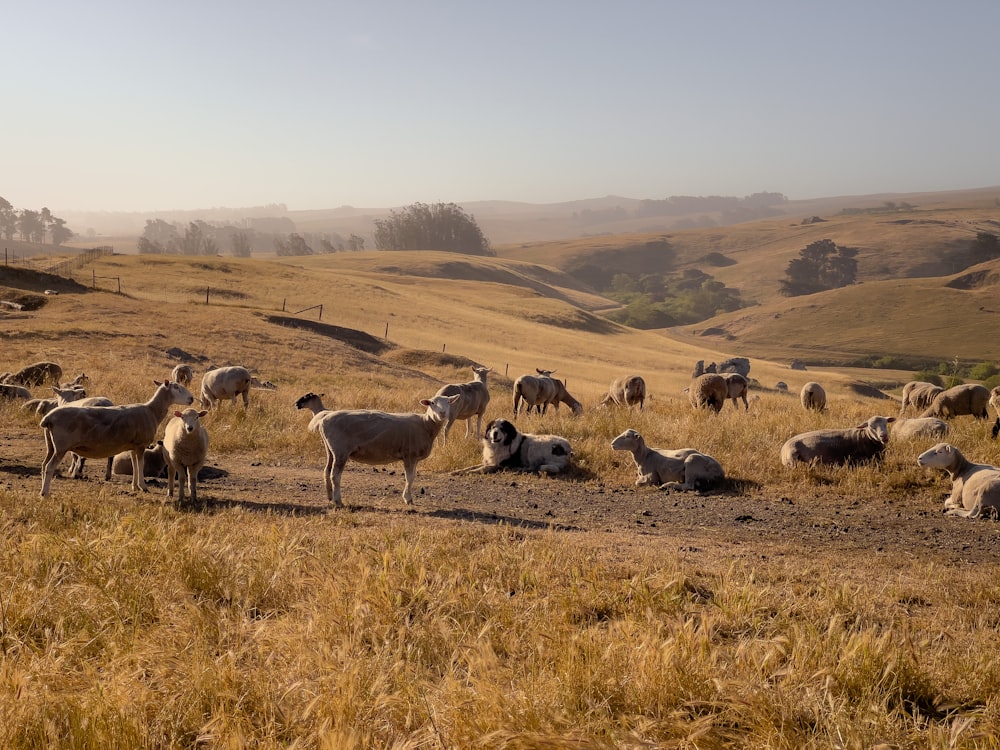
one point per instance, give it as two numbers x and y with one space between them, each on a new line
820 266
8 220
59 232
159 237
439 227
29 224
240 243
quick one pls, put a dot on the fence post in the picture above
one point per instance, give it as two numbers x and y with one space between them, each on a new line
386 337
95 279
207 290
320 313
283 300
119 284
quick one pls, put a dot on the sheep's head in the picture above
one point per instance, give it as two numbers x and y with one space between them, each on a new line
878 428
941 456
627 441
439 407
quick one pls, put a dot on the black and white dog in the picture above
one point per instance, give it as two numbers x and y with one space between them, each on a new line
506 448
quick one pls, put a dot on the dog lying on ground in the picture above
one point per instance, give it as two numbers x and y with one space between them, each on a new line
504 447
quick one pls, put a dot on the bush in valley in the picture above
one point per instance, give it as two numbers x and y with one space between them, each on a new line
662 300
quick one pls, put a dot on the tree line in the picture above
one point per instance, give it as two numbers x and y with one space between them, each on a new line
32 226
199 237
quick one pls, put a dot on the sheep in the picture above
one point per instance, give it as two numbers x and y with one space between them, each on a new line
474 398
919 395
536 391
813 397
13 392
101 432
43 406
974 487
919 427
36 374
377 437
185 443
738 386
969 398
626 391
708 391
504 447
182 374
225 382
562 396
153 463
681 469
865 442
263 385
995 403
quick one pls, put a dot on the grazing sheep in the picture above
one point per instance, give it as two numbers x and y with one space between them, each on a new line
738 386
377 437
562 396
782 386
154 461
813 397
78 382
919 427
536 391
101 432
969 398
42 406
182 374
974 487
474 396
185 442
36 374
627 391
504 447
708 391
263 385
865 442
680 469
13 392
919 395
225 382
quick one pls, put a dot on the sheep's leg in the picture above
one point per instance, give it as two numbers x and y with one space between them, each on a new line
246 398
138 480
334 476
410 471
52 459
170 479
193 480
182 479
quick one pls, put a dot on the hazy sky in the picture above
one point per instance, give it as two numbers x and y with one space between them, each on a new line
188 104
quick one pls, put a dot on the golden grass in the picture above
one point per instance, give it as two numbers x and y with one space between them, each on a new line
125 622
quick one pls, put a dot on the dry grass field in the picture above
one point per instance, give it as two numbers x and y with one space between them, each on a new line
790 608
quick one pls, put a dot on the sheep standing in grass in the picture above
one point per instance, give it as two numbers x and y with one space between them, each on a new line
680 469
225 382
182 374
737 386
536 391
847 446
813 397
101 432
562 396
185 442
708 391
36 374
628 391
377 437
474 397
975 488
969 398
918 394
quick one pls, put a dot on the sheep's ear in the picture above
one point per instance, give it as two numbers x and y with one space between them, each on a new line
202 414
890 419
425 402
177 414
157 382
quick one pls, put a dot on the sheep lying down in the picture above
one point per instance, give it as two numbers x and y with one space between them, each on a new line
975 488
852 445
680 469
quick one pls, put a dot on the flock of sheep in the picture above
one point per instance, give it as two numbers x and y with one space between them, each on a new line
125 435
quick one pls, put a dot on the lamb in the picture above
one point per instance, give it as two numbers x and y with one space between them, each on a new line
101 432
185 442
681 469
504 447
377 437
626 391
813 397
918 394
969 398
36 374
708 391
153 464
738 386
536 391
474 396
182 374
975 488
919 427
225 382
865 442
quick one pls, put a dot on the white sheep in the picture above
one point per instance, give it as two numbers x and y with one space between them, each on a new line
968 398
153 463
36 374
182 374
535 391
377 437
626 391
505 447
919 427
101 432
14 392
918 394
681 469
865 442
185 442
42 406
474 397
225 382
708 391
738 386
813 397
974 487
